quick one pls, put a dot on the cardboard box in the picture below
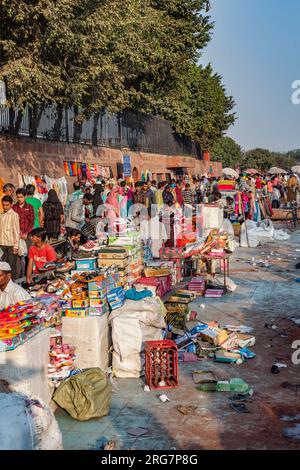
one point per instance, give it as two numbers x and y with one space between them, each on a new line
80 303
113 254
98 302
97 283
98 311
65 303
76 312
214 336
120 263
97 294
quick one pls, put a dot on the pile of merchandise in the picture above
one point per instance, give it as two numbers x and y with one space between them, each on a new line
87 294
22 321
61 365
131 268
214 245
210 341
197 285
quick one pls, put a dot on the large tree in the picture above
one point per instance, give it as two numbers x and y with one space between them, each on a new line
228 152
259 159
112 54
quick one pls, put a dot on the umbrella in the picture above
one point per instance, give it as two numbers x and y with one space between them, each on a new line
277 171
230 172
251 171
296 169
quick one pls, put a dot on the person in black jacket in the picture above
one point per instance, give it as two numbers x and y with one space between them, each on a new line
53 215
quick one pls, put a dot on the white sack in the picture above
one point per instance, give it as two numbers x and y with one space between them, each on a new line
132 325
27 424
91 338
26 368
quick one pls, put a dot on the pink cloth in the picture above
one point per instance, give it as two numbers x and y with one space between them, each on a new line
112 200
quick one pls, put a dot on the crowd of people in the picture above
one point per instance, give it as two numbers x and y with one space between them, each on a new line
28 226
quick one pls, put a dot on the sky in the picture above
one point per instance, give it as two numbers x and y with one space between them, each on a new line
256 49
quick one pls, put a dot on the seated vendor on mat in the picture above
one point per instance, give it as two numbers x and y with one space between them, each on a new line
10 292
39 254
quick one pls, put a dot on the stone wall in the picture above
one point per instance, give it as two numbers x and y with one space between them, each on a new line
30 157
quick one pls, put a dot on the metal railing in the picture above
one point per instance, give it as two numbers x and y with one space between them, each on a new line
129 129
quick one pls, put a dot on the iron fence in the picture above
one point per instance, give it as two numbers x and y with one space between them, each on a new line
129 129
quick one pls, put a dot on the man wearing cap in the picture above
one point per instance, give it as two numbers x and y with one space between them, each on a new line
10 292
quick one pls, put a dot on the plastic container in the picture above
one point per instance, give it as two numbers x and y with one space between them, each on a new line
161 364
88 264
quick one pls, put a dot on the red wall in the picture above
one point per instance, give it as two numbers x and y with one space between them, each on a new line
29 157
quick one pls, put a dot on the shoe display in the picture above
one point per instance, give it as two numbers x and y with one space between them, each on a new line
65 267
90 246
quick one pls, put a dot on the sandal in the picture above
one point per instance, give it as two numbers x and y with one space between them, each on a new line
239 407
239 397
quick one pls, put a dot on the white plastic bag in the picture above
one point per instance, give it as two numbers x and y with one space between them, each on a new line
22 248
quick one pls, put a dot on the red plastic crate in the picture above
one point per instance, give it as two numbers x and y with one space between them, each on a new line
161 364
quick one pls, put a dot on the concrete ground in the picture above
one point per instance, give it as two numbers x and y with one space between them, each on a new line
264 295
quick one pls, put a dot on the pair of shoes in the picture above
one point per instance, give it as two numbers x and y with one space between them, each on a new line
47 267
65 267
89 246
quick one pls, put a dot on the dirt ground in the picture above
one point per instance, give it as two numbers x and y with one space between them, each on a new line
264 296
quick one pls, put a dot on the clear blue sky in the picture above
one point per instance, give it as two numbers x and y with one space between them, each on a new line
256 48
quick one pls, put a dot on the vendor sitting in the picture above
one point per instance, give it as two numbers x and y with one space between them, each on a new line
10 292
39 254
73 243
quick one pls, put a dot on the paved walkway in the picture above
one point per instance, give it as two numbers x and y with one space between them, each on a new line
264 295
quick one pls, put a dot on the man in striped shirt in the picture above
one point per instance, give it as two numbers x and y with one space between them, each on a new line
10 235
188 195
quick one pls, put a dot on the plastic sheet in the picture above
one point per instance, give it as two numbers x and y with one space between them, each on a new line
260 234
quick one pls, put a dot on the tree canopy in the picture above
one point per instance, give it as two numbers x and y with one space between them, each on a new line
96 54
228 152
260 159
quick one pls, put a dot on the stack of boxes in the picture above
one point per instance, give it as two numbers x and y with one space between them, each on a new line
90 297
166 264
97 290
197 285
125 253
115 256
78 305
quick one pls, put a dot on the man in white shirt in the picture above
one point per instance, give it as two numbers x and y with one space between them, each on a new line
10 235
10 292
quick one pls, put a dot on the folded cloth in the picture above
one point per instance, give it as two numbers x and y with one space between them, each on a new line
133 294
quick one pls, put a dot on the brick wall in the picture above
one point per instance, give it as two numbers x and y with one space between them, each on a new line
29 157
